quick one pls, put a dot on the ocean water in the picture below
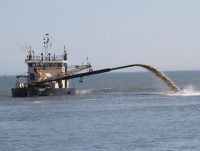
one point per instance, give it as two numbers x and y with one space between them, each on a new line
110 112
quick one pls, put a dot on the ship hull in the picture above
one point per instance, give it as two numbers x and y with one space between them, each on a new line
19 92
30 92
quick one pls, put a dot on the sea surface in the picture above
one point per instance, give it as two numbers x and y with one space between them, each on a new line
110 112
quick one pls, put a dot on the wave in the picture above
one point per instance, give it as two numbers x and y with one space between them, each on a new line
187 91
120 91
86 91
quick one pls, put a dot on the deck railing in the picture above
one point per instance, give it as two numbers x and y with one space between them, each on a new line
46 58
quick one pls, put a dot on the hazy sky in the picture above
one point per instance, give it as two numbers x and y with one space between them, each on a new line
162 33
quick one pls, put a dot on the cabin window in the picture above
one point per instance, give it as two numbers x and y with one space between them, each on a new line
59 65
32 76
33 64
46 65
55 65
50 64
40 64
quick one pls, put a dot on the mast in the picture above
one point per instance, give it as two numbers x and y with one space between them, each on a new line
65 58
47 44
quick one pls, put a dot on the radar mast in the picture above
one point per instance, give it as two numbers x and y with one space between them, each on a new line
47 44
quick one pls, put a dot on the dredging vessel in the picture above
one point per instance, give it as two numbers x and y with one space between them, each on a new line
46 67
49 75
